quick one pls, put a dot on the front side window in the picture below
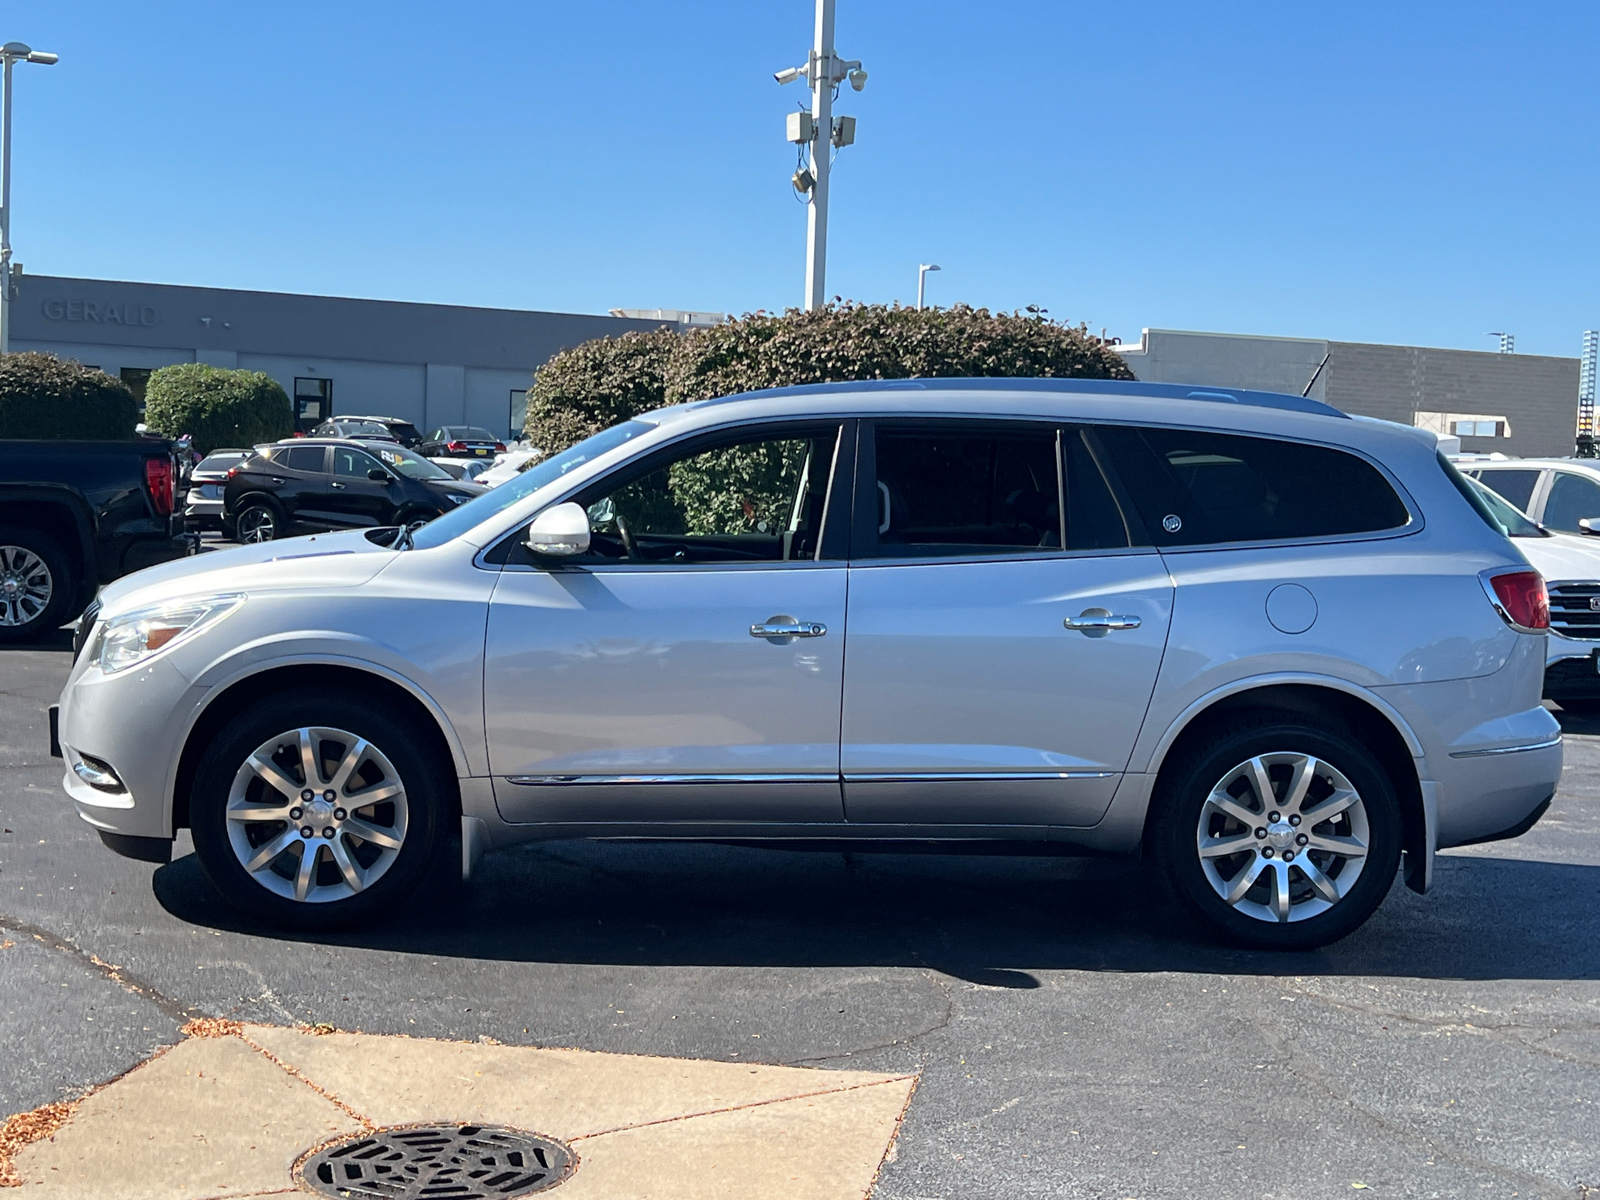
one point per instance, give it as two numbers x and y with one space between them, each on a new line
756 500
958 490
1572 498
352 463
1193 488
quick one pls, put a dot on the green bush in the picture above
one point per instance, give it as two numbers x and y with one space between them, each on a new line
875 341
42 396
217 407
595 385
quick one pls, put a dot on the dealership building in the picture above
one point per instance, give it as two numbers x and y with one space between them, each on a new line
1517 404
433 364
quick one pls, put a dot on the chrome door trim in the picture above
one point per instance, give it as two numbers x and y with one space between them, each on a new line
586 780
1555 741
973 776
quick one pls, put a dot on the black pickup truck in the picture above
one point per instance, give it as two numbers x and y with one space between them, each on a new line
74 515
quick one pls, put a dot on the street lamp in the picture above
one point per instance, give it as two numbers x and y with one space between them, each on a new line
11 53
922 276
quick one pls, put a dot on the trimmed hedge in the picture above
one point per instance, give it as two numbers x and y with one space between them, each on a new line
42 396
599 383
217 407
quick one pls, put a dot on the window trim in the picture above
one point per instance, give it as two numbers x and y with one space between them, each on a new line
832 548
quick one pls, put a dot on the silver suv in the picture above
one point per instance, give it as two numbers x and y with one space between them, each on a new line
1267 645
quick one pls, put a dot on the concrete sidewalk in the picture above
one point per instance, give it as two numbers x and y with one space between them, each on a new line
233 1109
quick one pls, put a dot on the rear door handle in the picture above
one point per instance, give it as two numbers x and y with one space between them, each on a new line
1097 622
781 630
340 486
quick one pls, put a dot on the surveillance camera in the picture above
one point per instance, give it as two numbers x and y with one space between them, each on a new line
789 75
858 79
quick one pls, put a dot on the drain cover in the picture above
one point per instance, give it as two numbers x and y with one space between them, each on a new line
463 1162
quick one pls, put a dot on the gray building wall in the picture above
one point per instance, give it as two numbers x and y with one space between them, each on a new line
1538 395
434 364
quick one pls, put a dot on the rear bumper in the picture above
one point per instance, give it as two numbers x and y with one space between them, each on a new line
147 552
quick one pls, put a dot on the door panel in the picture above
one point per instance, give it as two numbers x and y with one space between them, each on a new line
639 694
968 701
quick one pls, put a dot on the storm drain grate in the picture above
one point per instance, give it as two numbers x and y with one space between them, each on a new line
461 1162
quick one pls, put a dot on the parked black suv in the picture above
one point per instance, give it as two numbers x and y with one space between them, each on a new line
401 430
460 441
305 484
74 515
357 428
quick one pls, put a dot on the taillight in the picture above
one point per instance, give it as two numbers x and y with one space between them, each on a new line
500 447
232 471
455 446
158 479
1519 597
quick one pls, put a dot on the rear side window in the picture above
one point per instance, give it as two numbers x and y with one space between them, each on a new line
1515 486
302 458
957 490
1194 488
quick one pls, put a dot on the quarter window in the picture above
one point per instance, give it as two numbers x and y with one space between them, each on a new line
1195 488
1572 498
950 490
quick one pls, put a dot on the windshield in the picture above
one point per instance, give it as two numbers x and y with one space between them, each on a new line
456 522
1511 520
412 466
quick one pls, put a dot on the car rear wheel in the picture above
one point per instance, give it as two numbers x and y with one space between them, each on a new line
36 584
1278 834
258 522
317 812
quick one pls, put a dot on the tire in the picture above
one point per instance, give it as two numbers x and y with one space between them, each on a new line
250 824
258 521
1209 801
1583 706
37 584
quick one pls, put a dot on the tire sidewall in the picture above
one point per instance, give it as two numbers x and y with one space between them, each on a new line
63 583
1177 817
428 799
278 522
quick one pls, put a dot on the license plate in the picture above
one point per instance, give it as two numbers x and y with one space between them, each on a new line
483 453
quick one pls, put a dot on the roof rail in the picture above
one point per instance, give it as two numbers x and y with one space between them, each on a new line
1132 389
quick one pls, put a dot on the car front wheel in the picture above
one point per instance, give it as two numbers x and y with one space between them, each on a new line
317 812
1278 834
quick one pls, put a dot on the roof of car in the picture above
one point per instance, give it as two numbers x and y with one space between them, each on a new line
376 420
1500 464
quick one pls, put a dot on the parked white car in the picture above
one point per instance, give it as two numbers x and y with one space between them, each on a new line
1268 645
1570 565
508 465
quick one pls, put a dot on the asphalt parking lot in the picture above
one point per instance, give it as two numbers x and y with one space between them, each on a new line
1074 1034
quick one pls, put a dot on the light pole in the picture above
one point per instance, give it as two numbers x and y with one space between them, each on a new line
11 53
922 276
823 71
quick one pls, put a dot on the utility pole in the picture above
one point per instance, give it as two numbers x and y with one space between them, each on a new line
12 53
1508 341
823 72
1588 368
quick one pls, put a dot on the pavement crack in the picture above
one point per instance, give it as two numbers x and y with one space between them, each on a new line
175 1009
941 1024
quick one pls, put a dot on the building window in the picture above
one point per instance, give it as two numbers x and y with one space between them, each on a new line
313 403
1479 425
519 410
137 379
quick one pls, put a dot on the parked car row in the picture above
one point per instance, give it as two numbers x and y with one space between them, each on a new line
1274 649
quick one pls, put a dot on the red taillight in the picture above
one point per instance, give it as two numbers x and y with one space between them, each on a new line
1521 599
158 478
499 447
456 447
232 471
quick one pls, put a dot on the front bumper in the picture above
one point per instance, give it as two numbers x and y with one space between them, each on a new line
1572 668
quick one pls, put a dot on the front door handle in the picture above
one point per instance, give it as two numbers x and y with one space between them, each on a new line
340 486
1097 622
781 630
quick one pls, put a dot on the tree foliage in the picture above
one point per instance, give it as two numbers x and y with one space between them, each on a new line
597 384
42 396
217 407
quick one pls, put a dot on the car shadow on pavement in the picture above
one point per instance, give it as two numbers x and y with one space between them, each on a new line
987 919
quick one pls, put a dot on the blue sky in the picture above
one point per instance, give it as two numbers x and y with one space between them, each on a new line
1394 172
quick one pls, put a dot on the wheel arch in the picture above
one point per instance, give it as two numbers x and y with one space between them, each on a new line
1370 720
382 688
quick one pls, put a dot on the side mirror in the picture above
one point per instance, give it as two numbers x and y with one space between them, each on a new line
1590 525
559 532
378 475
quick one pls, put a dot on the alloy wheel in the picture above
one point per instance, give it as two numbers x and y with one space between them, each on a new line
26 586
257 524
1283 837
317 814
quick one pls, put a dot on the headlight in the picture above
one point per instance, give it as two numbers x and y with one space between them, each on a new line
128 640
